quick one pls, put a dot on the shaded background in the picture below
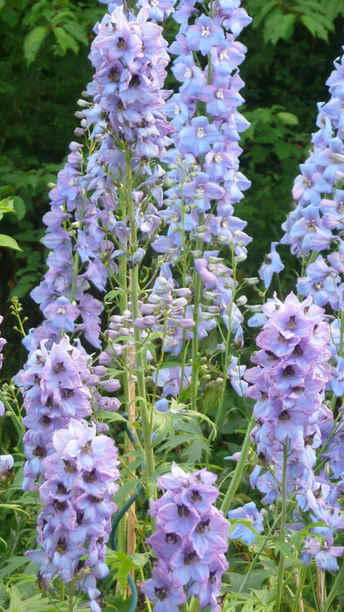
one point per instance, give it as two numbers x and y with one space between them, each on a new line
44 68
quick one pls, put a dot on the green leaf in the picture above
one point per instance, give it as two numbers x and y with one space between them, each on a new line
259 17
314 27
288 118
8 242
76 30
19 207
122 564
65 40
6 206
278 26
33 42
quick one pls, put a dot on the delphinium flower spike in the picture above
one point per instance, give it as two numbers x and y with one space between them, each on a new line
190 541
292 420
75 523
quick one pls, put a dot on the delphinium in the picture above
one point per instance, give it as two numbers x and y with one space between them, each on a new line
293 422
204 180
313 230
190 541
75 523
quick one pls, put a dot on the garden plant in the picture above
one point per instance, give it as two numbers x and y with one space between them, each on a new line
172 418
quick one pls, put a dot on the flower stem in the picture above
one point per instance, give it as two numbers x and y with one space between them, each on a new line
337 585
139 354
70 598
219 413
195 343
282 532
239 470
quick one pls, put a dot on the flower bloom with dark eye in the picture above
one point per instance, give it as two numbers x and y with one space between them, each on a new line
190 541
292 420
75 524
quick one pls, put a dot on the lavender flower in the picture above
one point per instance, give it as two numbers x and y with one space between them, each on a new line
289 383
242 531
75 524
190 541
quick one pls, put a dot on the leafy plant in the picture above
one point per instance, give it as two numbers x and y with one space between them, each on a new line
278 19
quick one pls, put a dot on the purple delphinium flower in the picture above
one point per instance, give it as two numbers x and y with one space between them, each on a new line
190 540
288 384
242 531
77 494
204 176
54 383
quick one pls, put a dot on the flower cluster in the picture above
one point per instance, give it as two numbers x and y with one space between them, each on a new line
190 541
75 524
292 420
315 224
123 114
205 181
55 383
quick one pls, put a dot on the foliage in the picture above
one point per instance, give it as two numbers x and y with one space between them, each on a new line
278 20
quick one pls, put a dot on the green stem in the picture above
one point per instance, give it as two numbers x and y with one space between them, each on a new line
336 587
302 577
75 275
239 470
219 413
257 554
195 343
282 532
70 598
139 354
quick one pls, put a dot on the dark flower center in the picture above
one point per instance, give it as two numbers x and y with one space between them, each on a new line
60 506
67 393
69 466
59 367
90 476
190 557
298 351
61 489
161 593
284 416
202 526
288 371
171 538
135 81
122 43
45 420
61 545
212 577
292 322
40 451
183 510
195 496
114 75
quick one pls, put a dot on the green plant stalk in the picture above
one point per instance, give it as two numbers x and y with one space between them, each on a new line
195 343
219 413
75 275
70 598
336 587
282 532
298 596
239 470
139 356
